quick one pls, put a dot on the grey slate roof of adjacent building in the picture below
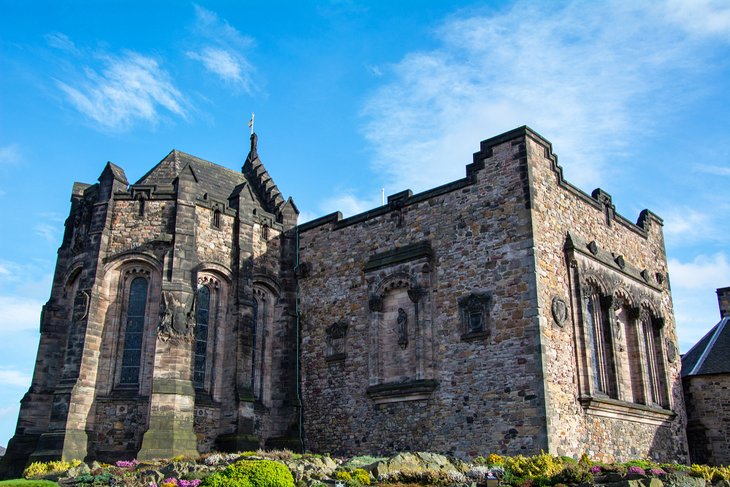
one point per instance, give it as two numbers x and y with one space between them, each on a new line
711 355
218 181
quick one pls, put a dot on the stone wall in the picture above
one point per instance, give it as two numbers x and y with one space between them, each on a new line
630 261
708 418
466 391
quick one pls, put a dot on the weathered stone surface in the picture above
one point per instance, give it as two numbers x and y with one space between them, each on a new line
451 321
312 468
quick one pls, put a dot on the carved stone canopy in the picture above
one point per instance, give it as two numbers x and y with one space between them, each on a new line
337 330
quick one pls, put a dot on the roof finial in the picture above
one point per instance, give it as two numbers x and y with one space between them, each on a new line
253 154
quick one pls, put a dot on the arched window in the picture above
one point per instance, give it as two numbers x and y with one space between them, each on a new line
201 336
134 331
600 336
657 386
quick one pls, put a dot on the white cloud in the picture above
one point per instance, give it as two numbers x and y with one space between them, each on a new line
10 154
348 203
11 411
701 17
10 377
590 76
693 291
19 314
61 41
716 170
130 88
227 65
47 232
223 52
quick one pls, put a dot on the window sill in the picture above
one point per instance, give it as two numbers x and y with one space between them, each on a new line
474 335
416 390
335 358
616 409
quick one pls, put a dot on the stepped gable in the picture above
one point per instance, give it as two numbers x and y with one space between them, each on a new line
260 180
711 355
215 180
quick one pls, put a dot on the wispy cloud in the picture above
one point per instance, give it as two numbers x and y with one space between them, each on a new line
222 52
128 89
14 378
47 232
710 18
693 291
591 76
10 154
59 40
19 314
716 170
348 203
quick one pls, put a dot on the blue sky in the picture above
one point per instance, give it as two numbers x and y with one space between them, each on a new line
354 96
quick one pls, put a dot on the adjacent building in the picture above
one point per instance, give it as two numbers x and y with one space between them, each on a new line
706 379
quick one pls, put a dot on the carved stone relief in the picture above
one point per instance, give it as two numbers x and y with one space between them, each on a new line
177 318
560 311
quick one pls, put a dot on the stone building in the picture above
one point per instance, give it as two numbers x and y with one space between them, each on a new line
507 311
706 380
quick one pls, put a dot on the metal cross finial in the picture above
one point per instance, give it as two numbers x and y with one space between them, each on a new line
250 122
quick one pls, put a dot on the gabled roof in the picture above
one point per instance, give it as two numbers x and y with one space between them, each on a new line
711 355
218 181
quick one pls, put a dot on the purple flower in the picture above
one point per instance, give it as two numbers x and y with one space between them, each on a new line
657 471
636 470
189 483
596 469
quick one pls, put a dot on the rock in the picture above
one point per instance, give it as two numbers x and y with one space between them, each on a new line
683 480
82 469
311 468
152 475
415 465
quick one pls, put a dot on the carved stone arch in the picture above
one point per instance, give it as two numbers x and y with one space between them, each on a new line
395 280
622 297
118 275
267 282
592 281
222 272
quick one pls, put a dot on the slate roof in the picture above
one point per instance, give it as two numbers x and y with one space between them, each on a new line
218 181
711 355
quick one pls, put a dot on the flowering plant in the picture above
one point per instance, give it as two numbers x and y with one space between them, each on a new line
636 470
595 469
127 464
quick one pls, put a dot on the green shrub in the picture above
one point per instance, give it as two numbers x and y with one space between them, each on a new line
361 476
573 473
251 473
41 469
343 475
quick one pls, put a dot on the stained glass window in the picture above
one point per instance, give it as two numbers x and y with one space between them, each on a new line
133 331
201 336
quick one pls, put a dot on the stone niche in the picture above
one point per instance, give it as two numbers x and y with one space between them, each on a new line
400 360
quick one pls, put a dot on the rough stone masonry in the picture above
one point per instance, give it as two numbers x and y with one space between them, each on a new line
506 312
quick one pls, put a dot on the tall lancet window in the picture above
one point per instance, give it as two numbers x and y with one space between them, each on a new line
134 331
201 336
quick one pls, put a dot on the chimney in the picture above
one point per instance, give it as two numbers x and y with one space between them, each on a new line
723 299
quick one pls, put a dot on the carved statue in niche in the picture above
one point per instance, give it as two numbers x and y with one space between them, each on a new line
336 339
402 328
177 318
